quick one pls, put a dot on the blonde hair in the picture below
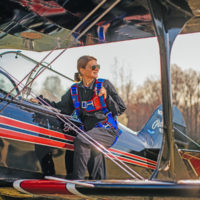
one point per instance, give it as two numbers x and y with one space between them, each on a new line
81 63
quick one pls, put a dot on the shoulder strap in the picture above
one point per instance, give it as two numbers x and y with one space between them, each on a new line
75 98
98 85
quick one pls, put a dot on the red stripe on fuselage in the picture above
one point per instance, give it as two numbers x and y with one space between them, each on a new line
133 156
135 162
34 128
43 141
15 135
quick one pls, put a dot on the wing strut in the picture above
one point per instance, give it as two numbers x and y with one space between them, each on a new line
167 27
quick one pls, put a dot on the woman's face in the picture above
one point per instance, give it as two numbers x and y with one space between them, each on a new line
88 72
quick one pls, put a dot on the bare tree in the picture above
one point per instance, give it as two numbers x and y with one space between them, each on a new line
144 99
124 85
52 88
186 95
177 78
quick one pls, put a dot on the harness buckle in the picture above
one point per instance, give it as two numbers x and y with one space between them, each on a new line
109 114
84 104
90 103
106 125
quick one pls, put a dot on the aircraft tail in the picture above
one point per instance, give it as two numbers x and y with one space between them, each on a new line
151 133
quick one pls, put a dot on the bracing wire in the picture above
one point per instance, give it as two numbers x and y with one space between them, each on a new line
191 140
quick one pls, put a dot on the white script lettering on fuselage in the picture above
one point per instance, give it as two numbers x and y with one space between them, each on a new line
157 124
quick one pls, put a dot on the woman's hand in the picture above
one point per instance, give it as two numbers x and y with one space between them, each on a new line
103 92
34 100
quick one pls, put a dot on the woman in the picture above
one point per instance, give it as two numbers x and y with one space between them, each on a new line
96 104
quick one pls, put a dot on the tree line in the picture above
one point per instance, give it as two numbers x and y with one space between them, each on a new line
142 100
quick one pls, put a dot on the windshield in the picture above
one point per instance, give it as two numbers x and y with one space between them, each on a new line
7 85
49 83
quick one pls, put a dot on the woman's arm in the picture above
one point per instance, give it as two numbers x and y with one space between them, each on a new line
114 102
65 105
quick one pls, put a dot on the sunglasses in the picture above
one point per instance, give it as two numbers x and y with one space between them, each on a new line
95 66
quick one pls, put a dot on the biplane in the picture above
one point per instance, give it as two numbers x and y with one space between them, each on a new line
36 145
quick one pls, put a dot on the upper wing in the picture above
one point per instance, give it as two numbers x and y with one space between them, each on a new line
42 25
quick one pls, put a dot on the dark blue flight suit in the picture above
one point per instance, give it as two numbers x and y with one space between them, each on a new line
85 155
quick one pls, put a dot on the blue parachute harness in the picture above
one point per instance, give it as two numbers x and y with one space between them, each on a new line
95 104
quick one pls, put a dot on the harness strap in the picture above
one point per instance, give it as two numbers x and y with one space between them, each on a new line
98 85
110 122
96 103
75 99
